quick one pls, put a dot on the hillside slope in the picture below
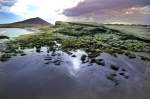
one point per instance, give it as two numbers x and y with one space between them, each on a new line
33 22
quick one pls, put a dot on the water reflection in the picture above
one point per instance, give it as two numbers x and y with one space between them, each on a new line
50 73
76 61
14 32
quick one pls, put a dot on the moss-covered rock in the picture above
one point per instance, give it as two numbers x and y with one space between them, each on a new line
5 57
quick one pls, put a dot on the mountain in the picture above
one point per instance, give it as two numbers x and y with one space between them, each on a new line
32 22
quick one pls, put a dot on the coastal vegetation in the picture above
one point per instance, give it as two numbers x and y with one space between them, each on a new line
94 39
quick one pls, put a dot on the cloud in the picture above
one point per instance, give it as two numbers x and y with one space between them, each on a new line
88 6
104 11
6 4
50 10
109 11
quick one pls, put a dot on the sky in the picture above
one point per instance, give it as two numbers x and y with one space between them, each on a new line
101 11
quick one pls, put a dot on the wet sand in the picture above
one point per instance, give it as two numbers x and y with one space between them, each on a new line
40 76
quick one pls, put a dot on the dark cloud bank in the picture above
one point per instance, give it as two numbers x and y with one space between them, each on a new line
88 6
106 9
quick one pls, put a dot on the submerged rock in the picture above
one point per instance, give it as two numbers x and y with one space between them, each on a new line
131 56
83 58
98 61
145 58
73 56
124 75
114 67
22 54
47 62
53 54
69 53
124 70
48 58
57 62
115 55
38 49
112 78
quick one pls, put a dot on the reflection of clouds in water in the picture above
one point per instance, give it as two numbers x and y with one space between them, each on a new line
76 61
14 32
2 32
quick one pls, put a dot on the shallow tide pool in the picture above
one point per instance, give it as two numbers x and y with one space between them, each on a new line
14 32
61 75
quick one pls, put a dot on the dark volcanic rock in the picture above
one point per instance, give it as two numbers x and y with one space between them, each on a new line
112 78
114 67
73 56
124 70
124 75
4 37
57 62
22 54
145 58
98 61
83 58
132 56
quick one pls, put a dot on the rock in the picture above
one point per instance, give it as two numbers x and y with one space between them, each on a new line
124 70
114 67
93 60
73 56
112 78
144 58
98 61
124 75
4 37
83 58
114 54
114 75
131 56
120 52
5 57
57 62
48 58
127 53
69 53
22 54
53 54
38 49
47 62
